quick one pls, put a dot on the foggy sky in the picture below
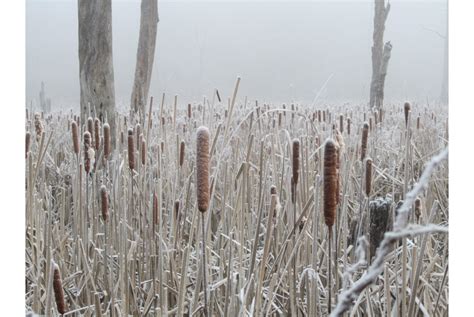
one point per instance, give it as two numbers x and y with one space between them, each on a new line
282 50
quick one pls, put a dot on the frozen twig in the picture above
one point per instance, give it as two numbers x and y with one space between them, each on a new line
401 230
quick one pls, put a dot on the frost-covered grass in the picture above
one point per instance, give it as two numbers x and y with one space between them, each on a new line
128 265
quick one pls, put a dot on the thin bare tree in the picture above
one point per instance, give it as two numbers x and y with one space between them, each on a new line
96 69
380 54
145 55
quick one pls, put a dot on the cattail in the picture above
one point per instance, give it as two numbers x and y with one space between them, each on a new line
138 131
370 124
181 153
143 151
121 137
348 126
368 176
375 117
104 202
38 126
87 140
279 119
324 116
319 115
202 165
75 137
273 190
58 290
296 160
417 208
189 111
131 150
89 153
156 215
330 182
407 108
176 210
365 135
380 116
97 133
418 122
90 127
27 143
107 140
341 123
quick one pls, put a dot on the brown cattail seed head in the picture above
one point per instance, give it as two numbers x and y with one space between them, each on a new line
90 126
348 126
27 143
368 176
181 153
176 210
156 215
330 182
296 160
406 108
202 165
87 140
189 111
104 202
106 140
365 135
418 208
58 290
75 137
131 150
138 131
418 122
38 126
273 190
143 151
97 133
341 123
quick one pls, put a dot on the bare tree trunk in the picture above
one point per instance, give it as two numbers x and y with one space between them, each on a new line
381 13
145 55
42 96
95 61
379 94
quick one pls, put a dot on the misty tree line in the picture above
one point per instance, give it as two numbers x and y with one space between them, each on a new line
96 71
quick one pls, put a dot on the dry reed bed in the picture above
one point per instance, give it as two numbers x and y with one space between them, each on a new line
128 241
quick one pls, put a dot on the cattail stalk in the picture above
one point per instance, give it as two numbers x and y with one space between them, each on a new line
202 186
330 202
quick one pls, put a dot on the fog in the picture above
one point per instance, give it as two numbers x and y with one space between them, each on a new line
282 50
